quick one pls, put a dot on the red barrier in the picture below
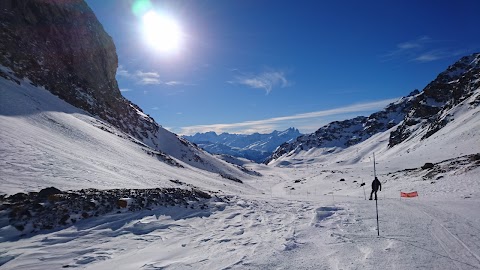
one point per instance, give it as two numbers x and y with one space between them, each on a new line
409 194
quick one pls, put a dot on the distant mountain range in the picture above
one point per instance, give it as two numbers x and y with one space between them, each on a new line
255 146
406 122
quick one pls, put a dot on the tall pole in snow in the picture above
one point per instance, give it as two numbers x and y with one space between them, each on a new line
376 201
378 229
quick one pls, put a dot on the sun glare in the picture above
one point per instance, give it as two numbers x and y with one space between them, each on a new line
162 32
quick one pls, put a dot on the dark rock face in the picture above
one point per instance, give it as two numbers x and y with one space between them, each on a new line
62 46
47 192
450 88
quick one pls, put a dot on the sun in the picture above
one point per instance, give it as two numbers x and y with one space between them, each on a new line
162 32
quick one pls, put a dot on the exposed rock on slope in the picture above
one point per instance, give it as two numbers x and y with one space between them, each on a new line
60 45
32 212
429 112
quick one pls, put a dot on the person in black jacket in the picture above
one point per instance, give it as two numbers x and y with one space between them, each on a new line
376 185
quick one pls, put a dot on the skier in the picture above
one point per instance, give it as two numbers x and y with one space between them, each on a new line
376 185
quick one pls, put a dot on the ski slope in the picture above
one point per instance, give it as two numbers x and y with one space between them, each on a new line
307 212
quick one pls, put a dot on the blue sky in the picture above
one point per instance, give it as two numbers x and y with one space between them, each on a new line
255 66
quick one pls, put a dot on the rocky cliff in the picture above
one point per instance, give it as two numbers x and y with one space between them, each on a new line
61 46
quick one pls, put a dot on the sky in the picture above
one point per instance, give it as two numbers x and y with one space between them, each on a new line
257 66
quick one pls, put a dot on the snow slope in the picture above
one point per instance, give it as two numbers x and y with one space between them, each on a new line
45 141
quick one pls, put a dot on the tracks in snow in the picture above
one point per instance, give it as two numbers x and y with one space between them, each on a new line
456 249
455 235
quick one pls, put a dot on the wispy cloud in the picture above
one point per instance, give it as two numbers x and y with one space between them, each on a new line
125 90
412 44
147 77
266 80
177 83
122 72
408 49
279 123
422 50
430 56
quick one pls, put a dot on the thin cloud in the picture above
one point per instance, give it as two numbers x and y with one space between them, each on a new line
148 78
423 50
417 43
267 125
408 49
122 72
266 80
125 90
430 56
178 83
149 81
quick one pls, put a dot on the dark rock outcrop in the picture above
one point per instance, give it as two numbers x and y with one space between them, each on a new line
450 88
427 166
47 192
37 213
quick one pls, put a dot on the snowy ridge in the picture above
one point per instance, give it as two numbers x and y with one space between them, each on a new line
255 146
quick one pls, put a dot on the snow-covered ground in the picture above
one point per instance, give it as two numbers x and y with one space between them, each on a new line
266 232
308 212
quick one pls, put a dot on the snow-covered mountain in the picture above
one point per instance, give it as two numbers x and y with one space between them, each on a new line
446 101
61 46
255 146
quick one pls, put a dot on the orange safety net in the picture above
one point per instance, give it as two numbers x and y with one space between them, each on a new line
409 194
